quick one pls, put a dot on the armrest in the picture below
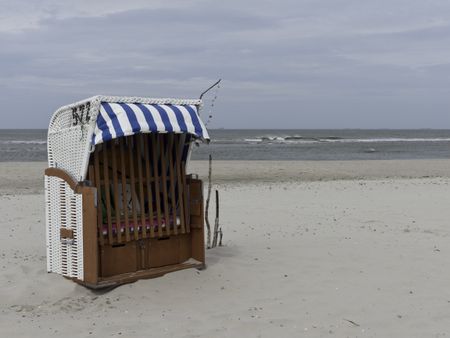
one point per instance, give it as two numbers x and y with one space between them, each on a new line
77 187
62 174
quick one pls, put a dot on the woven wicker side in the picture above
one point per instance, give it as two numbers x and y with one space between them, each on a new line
63 210
66 150
68 141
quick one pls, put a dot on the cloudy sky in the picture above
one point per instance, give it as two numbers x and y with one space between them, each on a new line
284 64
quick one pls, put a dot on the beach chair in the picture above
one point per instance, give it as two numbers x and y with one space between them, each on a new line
119 204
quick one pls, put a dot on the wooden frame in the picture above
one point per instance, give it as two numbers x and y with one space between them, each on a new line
142 216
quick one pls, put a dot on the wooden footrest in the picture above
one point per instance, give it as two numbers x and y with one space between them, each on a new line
144 274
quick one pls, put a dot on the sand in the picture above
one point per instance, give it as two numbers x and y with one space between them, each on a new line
27 177
358 249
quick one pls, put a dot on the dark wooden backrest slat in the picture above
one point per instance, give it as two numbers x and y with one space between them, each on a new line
99 195
116 194
107 199
134 202
138 153
123 176
149 180
173 199
155 147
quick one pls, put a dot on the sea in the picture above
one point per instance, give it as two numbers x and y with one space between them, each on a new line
274 145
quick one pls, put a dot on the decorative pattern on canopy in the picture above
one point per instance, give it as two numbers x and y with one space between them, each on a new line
122 119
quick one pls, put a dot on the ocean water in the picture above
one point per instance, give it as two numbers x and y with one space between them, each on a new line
276 145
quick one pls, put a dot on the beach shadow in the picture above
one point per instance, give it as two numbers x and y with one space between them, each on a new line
215 255
105 290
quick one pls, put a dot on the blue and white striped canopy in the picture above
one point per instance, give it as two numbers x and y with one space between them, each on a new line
123 119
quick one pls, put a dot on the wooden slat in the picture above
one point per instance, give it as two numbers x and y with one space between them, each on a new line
155 147
147 273
138 139
99 194
133 186
116 191
107 192
123 177
172 185
90 244
185 196
62 174
178 147
148 180
164 181
91 174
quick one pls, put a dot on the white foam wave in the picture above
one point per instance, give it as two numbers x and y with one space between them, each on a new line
390 139
299 140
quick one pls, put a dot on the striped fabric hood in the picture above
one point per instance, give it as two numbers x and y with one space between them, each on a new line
123 119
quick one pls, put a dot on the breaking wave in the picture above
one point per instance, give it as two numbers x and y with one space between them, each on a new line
335 139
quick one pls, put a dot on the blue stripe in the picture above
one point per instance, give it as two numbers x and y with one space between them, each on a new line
104 132
135 126
148 117
195 121
101 124
113 118
180 117
164 117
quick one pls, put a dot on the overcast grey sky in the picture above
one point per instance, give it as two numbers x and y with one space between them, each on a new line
284 64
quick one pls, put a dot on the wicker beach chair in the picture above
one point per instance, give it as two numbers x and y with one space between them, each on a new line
119 205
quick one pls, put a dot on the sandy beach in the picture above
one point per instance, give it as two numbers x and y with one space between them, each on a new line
311 249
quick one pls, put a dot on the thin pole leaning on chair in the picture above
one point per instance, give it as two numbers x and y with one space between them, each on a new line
209 88
216 222
208 227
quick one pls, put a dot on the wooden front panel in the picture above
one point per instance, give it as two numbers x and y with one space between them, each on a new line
118 259
196 203
197 220
90 243
168 251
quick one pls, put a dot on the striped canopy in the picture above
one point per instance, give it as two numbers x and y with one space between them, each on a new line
123 119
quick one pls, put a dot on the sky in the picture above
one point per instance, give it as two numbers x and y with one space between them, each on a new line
283 64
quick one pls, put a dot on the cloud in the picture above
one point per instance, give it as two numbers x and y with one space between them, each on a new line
29 15
325 58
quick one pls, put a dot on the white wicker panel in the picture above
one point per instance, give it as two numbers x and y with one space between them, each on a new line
66 150
63 118
78 238
52 225
68 145
48 222
146 100
64 210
